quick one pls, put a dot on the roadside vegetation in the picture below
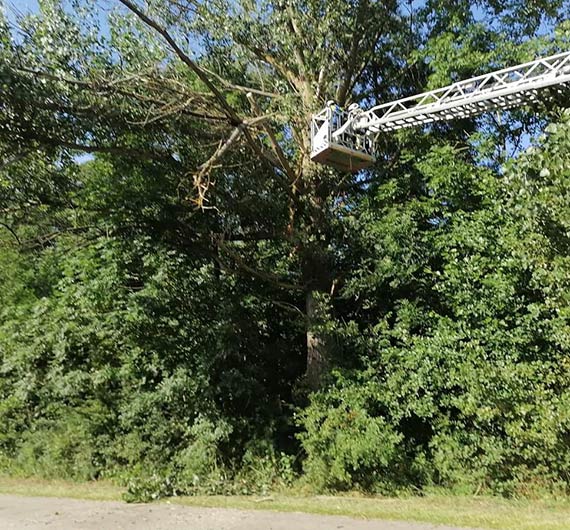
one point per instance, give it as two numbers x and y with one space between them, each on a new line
436 507
190 306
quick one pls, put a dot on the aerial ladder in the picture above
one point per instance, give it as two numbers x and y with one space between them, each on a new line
346 139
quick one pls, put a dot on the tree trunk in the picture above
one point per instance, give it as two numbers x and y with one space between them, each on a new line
317 343
316 271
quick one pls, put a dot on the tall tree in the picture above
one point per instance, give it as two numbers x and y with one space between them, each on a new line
163 82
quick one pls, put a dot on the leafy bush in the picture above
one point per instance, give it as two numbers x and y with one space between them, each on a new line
347 447
63 449
199 468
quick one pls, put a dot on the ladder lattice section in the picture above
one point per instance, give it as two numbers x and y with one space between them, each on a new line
503 89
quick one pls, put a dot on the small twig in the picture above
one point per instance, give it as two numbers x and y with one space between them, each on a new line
264 499
241 88
288 307
12 231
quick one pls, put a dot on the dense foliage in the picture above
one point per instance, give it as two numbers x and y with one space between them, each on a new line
196 307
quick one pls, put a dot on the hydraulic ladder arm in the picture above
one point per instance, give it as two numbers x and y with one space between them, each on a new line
345 140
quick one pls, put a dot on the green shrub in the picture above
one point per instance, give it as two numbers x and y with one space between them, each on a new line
63 449
347 447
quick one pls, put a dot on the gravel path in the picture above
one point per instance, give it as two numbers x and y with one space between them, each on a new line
70 514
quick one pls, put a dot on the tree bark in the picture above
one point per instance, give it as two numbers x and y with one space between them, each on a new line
316 271
318 354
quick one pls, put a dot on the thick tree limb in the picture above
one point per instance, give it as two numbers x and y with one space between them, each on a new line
275 144
320 83
229 111
298 50
245 268
350 65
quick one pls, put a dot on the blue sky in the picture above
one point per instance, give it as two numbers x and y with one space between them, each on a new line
23 6
13 8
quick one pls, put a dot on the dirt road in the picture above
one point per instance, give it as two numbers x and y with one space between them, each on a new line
69 514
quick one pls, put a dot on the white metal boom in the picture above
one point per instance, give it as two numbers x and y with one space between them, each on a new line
345 140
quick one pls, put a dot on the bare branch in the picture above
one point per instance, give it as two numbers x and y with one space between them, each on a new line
201 179
276 147
241 88
12 231
112 87
289 307
42 240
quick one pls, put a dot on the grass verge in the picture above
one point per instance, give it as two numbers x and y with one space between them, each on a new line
31 487
464 511
474 512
